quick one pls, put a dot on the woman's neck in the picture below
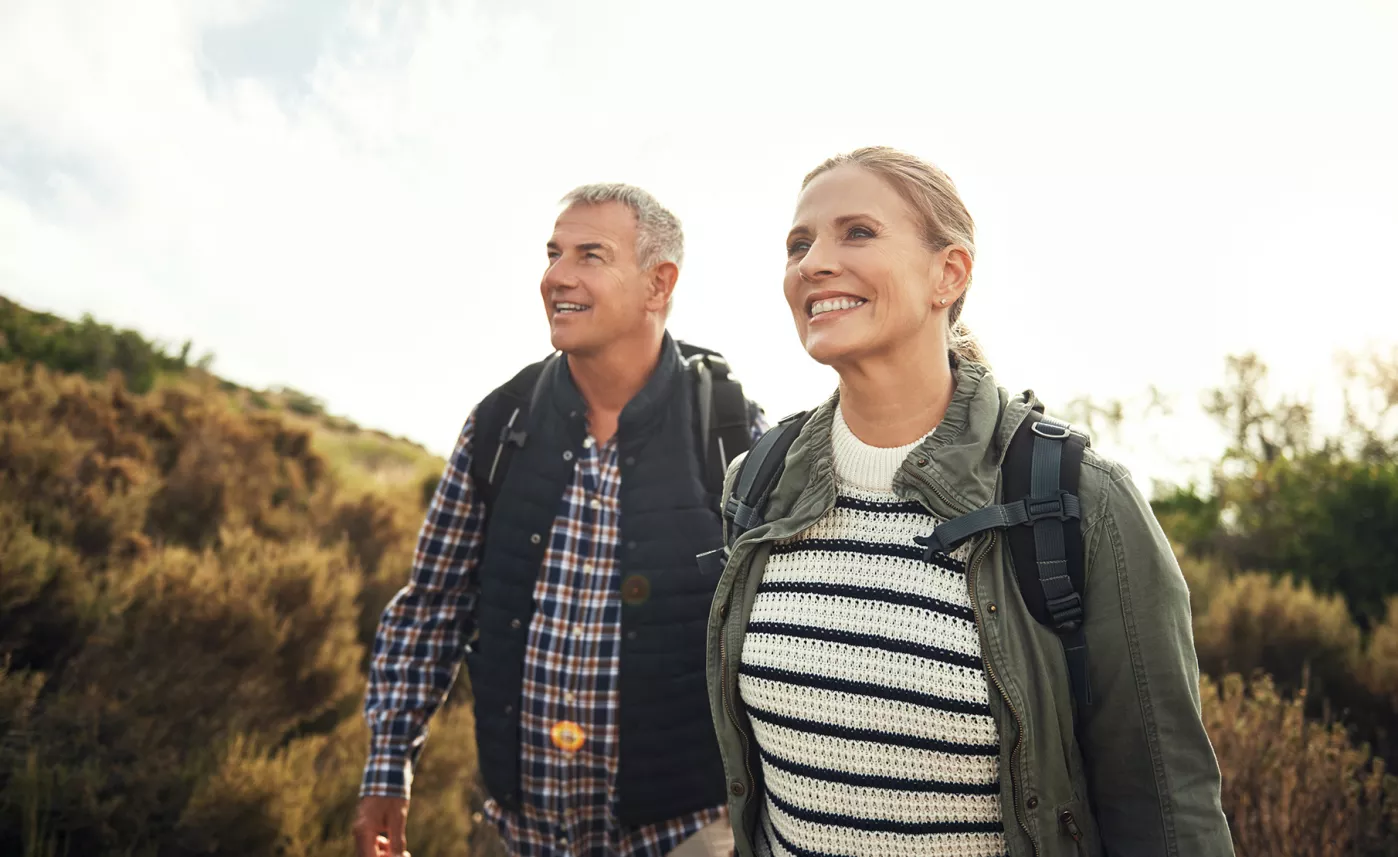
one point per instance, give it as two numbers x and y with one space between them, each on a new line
895 399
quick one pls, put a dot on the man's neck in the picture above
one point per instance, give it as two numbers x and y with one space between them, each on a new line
610 378
895 399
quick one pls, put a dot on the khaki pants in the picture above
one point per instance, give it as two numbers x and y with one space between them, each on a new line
714 840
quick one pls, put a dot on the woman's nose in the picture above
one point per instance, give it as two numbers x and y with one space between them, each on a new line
819 262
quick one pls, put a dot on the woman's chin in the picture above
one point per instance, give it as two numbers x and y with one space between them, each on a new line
829 350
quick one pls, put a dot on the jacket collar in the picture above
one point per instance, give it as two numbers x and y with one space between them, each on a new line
954 471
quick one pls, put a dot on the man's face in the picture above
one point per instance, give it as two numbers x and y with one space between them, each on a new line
594 289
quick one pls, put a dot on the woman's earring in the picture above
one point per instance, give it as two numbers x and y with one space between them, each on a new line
944 301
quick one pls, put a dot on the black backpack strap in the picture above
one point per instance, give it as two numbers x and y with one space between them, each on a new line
501 428
758 475
724 420
1041 480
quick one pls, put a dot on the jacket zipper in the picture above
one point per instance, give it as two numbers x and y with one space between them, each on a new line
995 679
727 704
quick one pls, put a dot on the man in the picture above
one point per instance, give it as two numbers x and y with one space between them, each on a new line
564 533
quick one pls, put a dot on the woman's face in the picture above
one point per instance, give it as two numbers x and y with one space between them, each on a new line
860 279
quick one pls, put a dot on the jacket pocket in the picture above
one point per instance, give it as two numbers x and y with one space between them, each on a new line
1076 830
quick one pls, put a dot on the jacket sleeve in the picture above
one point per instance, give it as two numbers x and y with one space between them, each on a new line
1151 769
422 632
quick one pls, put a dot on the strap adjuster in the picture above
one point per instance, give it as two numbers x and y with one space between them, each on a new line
1063 506
1066 612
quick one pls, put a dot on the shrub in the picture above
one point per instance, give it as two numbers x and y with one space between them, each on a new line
256 639
1294 788
1255 622
48 605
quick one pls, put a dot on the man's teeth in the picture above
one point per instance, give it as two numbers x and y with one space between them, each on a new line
566 307
835 303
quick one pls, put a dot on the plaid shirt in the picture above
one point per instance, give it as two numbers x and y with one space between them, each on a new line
569 800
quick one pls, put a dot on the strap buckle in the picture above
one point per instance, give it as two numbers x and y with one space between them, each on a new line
1066 612
1051 430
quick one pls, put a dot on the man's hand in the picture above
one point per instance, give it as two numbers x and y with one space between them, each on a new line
379 827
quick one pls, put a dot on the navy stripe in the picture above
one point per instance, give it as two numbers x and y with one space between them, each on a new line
873 736
789 845
871 781
869 593
872 641
865 688
880 825
912 552
901 507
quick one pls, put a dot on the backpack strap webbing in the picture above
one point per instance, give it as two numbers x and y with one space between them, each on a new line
757 476
1041 475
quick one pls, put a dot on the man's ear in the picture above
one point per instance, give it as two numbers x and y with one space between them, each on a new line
662 284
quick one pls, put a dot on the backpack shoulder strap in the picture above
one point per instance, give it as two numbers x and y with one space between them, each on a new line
746 507
1040 481
500 428
724 421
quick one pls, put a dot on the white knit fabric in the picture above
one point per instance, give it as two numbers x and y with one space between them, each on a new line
862 674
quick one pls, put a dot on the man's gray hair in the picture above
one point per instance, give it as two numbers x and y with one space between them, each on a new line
658 234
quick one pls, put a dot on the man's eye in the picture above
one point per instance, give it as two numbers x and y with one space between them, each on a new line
593 256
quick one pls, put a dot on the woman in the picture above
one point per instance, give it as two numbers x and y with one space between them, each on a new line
870 700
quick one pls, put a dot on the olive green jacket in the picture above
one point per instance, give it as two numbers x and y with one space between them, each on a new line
1137 775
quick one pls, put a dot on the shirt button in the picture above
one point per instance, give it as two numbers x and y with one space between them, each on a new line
596 504
587 443
577 630
587 568
570 697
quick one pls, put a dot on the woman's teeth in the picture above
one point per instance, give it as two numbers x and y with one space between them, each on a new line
833 304
566 307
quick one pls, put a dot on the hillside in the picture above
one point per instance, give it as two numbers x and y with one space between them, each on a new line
190 575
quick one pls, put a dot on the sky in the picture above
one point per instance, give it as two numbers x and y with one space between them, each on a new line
352 198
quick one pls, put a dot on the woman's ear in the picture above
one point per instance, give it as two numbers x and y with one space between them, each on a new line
951 274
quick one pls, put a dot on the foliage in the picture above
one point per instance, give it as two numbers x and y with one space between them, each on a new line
86 348
188 588
1293 787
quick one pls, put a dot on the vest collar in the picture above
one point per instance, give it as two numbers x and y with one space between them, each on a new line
644 409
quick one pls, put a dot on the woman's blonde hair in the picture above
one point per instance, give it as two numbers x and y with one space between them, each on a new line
945 219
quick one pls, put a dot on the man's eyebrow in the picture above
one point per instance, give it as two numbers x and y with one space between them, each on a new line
592 245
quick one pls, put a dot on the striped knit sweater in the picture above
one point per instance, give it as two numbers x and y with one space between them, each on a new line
862 674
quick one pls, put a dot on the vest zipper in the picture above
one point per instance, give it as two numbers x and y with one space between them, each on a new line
995 679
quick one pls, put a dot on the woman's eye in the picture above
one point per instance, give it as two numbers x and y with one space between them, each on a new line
796 247
860 232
